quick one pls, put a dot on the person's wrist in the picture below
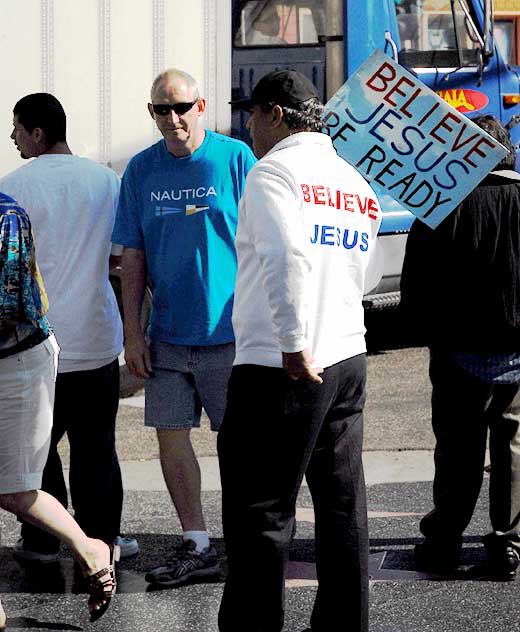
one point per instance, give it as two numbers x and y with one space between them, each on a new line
133 332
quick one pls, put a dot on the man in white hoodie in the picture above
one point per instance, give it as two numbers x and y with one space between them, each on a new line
306 236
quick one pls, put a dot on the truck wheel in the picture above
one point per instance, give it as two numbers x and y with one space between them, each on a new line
128 383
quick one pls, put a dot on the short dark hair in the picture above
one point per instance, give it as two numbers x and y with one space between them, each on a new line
499 131
43 110
305 116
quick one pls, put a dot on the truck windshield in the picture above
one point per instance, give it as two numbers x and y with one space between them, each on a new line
437 33
279 22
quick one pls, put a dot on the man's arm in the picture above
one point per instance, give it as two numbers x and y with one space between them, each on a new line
275 220
137 354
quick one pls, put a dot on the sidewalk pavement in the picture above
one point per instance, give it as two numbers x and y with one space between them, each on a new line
380 467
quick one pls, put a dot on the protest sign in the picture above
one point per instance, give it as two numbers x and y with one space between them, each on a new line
407 140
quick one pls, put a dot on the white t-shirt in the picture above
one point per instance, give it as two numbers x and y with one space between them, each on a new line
306 245
257 38
71 202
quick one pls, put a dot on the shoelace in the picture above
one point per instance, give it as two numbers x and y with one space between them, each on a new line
184 552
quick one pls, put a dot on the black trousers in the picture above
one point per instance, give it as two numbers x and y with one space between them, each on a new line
464 408
275 431
85 407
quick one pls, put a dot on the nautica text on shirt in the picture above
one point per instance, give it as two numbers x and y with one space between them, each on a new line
181 194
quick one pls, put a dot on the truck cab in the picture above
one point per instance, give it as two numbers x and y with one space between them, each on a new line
447 44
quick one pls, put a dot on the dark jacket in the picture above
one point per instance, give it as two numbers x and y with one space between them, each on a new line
460 285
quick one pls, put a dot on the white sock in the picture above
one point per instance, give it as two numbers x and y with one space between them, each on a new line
200 538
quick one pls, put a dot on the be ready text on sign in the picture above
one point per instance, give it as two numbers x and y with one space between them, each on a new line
403 137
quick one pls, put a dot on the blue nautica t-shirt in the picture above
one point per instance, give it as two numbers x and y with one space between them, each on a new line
183 213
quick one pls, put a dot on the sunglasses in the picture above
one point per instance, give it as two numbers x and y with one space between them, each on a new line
179 108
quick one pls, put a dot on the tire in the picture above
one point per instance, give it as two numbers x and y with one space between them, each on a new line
128 383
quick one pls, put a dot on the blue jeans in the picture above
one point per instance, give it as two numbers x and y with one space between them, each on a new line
274 432
186 378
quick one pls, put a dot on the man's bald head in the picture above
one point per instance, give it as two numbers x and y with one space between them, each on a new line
176 77
177 108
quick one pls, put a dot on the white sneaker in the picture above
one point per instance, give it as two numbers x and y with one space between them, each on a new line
127 546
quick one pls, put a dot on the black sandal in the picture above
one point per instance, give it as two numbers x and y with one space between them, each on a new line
100 589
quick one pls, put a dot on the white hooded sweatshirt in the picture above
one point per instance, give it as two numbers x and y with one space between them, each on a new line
306 236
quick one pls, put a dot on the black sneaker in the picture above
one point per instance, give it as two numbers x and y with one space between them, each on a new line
503 559
504 566
436 555
187 563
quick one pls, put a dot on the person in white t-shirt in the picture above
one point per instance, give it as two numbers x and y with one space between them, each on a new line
306 237
71 202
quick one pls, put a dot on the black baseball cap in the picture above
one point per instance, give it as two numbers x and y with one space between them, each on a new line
287 88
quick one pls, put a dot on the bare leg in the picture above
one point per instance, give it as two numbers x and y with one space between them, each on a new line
2 617
181 473
44 511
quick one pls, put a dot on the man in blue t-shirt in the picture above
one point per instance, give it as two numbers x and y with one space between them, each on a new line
177 219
